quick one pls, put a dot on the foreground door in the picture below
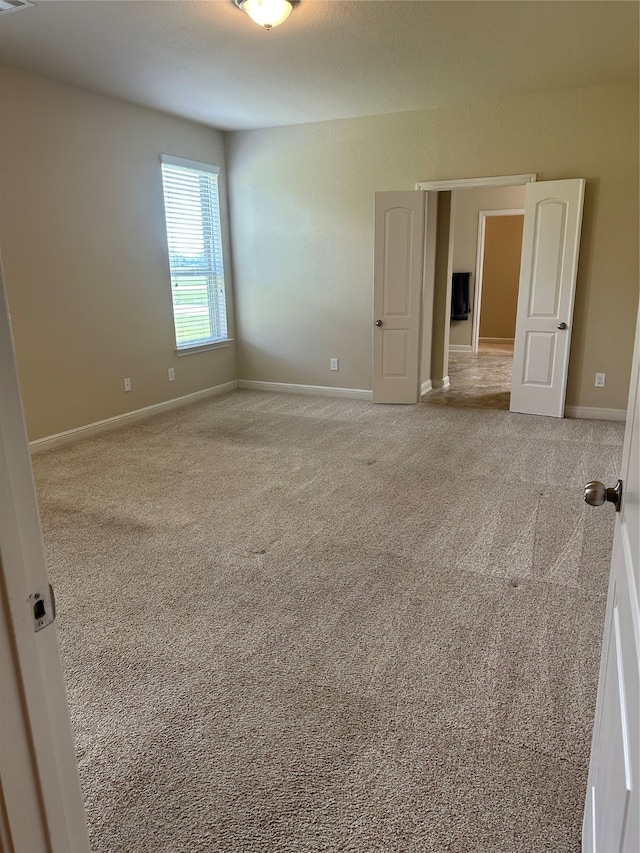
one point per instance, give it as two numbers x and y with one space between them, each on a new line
550 243
612 808
398 270
40 803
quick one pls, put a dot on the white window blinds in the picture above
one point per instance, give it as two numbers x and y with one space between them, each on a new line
192 211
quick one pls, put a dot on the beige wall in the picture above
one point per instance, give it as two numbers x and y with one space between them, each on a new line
85 256
302 224
469 203
500 276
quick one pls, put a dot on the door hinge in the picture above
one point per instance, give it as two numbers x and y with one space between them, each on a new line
43 607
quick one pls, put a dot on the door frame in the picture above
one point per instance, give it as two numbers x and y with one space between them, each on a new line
474 183
479 271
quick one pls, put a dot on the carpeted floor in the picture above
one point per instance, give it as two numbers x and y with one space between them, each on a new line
306 624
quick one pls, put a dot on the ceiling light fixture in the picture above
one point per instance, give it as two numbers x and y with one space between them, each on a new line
266 13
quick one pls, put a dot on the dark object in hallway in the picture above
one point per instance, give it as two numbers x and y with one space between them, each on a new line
460 306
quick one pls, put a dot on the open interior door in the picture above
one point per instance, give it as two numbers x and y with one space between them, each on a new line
397 296
40 802
612 809
550 245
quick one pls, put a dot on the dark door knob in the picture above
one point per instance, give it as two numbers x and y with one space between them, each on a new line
378 322
562 326
596 493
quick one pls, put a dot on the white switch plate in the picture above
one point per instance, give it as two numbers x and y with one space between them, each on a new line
127 384
600 377
172 374
334 364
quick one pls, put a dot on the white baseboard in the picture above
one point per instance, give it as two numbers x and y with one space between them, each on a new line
595 414
496 340
77 433
441 383
426 386
313 390
460 348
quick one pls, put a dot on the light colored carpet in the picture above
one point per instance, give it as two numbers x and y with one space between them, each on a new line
306 624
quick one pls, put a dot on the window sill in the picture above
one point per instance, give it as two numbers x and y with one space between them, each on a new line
204 347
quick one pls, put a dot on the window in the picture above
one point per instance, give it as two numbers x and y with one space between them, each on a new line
192 212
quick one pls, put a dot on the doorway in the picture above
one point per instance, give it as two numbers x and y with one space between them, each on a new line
497 279
482 377
411 356
486 232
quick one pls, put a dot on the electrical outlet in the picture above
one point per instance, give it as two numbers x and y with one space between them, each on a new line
334 363
172 374
127 384
600 377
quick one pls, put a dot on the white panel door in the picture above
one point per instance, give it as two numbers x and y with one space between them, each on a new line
550 245
612 808
40 801
398 272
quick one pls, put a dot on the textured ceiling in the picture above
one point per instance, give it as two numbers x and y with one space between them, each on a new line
207 61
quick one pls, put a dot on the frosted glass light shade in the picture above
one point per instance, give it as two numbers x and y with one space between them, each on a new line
267 13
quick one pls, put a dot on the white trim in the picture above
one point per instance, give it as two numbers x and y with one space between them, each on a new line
507 211
77 433
595 414
460 348
477 290
192 350
426 386
471 183
497 340
315 390
189 164
441 383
